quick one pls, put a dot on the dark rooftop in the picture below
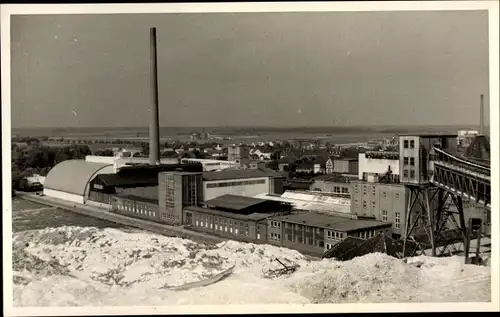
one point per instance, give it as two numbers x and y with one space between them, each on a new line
125 180
138 198
253 216
239 173
234 202
331 222
332 178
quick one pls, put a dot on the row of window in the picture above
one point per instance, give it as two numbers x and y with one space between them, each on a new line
305 240
223 225
236 183
165 215
409 144
142 210
335 235
366 234
275 236
301 227
275 224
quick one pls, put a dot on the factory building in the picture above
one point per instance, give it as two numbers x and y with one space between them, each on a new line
373 166
70 180
416 151
235 217
177 190
313 233
244 182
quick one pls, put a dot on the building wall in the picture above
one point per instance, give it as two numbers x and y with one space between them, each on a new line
346 166
384 202
331 187
231 228
306 239
373 166
136 209
63 195
274 232
147 192
176 191
243 187
276 186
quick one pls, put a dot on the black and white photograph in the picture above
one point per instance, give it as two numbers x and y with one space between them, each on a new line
179 156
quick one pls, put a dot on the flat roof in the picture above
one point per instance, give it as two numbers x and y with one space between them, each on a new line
215 212
239 174
331 222
138 198
234 202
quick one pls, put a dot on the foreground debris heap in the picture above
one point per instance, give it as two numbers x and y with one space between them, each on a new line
286 270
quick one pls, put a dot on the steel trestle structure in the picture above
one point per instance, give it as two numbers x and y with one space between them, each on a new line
435 216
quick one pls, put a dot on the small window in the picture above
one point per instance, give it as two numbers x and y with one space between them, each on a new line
397 196
412 144
384 194
405 143
412 174
365 204
405 173
405 161
412 161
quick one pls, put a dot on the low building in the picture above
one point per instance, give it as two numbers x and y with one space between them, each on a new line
331 183
313 233
135 206
244 182
120 161
235 217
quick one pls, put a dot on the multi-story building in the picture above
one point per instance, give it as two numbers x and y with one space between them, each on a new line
415 155
314 233
386 202
237 152
177 190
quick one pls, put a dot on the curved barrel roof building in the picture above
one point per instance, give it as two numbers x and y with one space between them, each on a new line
69 180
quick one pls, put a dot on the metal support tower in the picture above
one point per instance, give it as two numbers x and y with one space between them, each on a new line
431 219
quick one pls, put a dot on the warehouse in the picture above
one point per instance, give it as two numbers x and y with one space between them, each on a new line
236 217
70 180
314 233
246 182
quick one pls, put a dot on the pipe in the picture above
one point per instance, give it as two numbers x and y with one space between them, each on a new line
154 125
481 116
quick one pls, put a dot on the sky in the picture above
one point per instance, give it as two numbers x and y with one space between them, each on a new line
250 69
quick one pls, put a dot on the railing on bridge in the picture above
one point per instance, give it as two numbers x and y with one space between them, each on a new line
464 178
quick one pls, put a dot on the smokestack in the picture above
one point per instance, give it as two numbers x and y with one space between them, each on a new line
154 125
481 118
